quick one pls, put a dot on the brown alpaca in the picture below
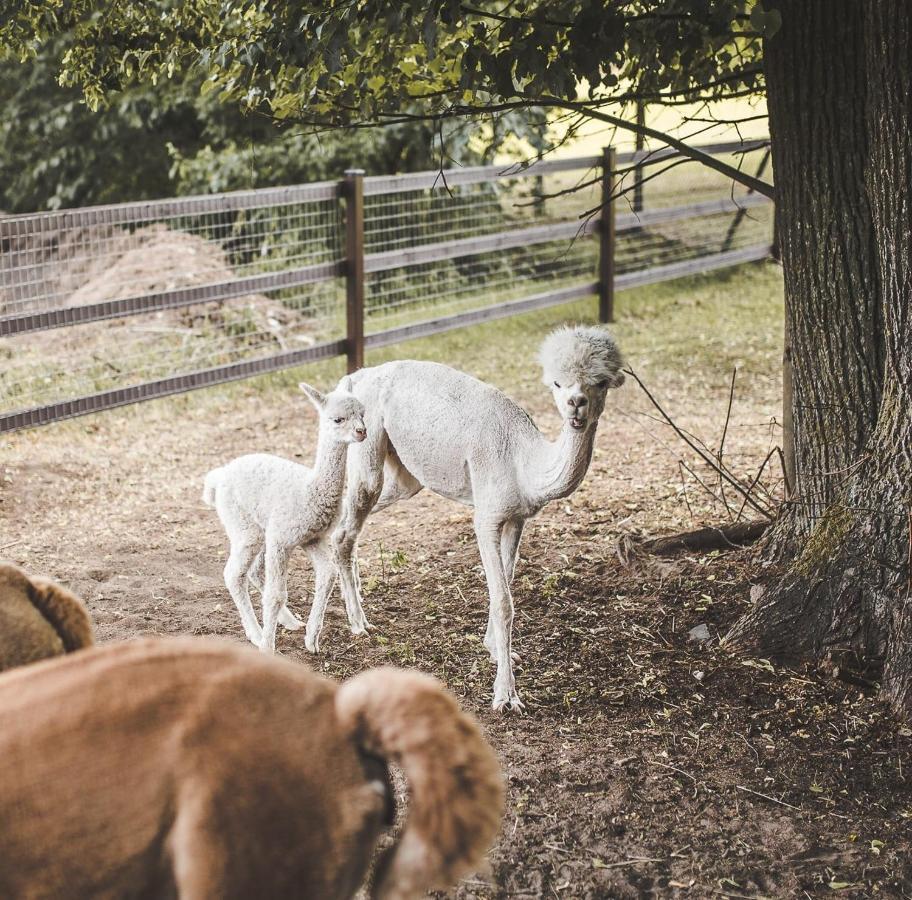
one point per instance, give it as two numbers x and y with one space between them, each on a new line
38 619
196 768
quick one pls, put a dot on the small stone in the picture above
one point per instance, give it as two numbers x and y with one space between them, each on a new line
699 675
757 591
700 634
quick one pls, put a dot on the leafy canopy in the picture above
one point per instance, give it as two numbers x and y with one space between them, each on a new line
152 140
359 61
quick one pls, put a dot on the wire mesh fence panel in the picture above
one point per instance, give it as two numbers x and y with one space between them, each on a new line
512 203
412 293
75 258
108 305
682 181
131 274
700 236
48 367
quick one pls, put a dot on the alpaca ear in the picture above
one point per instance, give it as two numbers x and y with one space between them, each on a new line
315 397
616 380
347 384
65 612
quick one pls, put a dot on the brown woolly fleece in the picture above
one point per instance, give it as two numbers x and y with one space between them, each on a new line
197 768
38 619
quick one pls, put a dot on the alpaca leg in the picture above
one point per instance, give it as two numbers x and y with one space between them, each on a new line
256 575
489 537
256 572
509 545
398 482
324 582
288 620
509 551
365 485
275 591
244 548
345 541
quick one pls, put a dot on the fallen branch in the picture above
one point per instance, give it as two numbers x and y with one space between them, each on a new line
722 537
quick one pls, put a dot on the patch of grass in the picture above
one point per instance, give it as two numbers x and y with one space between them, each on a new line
698 327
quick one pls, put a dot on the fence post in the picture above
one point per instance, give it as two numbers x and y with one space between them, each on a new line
606 233
354 267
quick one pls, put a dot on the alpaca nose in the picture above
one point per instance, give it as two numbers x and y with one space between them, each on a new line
577 401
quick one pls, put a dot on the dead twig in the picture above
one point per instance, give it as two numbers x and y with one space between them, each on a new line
684 488
728 412
706 457
674 769
633 861
756 478
701 482
747 790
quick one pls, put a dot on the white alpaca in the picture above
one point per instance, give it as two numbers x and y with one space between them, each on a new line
432 426
269 506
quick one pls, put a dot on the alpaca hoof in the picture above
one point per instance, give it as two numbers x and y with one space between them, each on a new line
363 627
289 621
312 643
255 637
509 704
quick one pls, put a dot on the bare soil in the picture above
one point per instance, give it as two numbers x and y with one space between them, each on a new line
646 764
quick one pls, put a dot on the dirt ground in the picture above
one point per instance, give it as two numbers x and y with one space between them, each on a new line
647 764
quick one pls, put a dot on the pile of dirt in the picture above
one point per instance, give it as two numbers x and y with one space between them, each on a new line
86 265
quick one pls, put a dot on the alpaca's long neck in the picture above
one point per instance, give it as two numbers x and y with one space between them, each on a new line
556 469
329 470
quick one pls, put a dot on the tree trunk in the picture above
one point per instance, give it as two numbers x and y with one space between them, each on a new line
847 589
816 86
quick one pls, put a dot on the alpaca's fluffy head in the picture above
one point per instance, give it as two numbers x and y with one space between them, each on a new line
341 412
580 364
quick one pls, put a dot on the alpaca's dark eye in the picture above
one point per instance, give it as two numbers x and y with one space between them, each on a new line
339 421
556 384
602 384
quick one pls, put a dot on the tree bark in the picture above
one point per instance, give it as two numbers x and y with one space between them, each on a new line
847 589
816 87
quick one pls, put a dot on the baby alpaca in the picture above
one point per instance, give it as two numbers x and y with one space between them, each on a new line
38 619
269 506
195 768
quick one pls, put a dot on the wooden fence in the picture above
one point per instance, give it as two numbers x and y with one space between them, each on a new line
31 308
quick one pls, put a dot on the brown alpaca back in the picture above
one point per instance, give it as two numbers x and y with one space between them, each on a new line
199 768
38 619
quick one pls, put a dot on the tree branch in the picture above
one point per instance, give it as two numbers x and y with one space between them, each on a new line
547 102
720 537
755 184
470 10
